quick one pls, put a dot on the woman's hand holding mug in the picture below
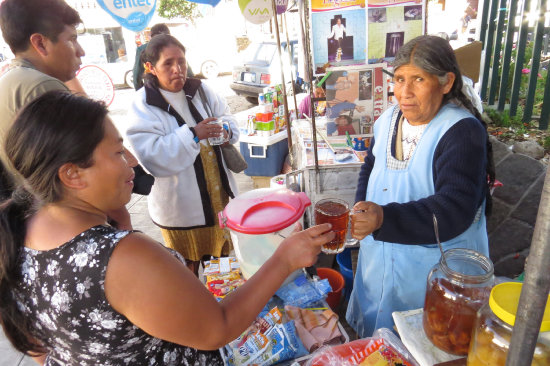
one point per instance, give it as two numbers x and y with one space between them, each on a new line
205 129
367 217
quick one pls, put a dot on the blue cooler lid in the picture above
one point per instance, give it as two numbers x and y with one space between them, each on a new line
263 211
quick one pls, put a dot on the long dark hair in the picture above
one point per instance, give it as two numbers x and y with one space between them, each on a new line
54 129
154 49
435 56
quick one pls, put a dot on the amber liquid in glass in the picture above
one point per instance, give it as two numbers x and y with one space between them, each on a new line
337 215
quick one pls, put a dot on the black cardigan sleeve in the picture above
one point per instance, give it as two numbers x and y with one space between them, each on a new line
364 174
459 173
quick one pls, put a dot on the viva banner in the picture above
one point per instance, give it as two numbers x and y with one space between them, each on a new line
256 11
131 14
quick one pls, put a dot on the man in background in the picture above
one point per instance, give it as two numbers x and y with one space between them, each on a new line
157 29
42 35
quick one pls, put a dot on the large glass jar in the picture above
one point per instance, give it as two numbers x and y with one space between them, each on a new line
493 329
456 288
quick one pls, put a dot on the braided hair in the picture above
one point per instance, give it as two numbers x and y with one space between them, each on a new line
435 56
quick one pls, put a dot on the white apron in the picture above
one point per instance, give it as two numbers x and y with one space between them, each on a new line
392 277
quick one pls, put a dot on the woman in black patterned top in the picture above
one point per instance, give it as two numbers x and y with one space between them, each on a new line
76 291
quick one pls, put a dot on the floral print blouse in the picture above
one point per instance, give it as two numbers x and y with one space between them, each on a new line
62 292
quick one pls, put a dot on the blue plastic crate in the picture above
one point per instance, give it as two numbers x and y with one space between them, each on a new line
264 156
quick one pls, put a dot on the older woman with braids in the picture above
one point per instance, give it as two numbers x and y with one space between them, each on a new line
430 156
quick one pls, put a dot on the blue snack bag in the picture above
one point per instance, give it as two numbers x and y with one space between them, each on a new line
301 292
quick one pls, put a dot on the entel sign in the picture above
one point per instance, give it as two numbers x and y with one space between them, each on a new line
119 4
131 14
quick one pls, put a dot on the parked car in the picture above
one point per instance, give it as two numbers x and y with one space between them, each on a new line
261 67
208 64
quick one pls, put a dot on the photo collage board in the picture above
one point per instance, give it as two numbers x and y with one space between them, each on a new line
358 32
356 97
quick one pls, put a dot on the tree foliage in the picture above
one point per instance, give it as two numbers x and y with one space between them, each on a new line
178 9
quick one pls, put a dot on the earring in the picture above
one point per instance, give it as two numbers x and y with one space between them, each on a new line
69 172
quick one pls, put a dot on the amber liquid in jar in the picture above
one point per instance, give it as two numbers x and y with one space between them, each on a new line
449 314
457 288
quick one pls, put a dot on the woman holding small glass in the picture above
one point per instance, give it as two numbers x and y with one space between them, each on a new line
430 155
170 132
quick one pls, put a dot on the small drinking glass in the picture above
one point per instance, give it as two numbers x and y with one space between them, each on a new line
220 139
337 213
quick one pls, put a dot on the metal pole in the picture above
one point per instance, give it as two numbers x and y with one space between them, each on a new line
520 46
507 58
536 286
484 21
545 111
285 102
309 71
488 42
290 55
535 63
496 52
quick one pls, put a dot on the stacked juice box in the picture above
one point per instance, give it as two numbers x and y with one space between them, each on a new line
270 118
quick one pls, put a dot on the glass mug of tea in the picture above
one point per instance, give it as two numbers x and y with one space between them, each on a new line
221 138
337 213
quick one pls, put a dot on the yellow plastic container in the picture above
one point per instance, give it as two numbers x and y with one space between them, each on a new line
493 329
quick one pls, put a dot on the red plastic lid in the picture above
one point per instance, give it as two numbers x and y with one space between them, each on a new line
264 211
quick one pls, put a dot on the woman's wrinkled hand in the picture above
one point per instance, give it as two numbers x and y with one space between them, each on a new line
302 247
205 129
366 218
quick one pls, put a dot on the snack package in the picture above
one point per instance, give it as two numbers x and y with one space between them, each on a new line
382 349
222 284
265 342
221 265
302 293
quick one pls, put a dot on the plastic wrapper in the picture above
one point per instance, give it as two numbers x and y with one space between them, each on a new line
266 342
221 265
222 284
302 293
382 349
